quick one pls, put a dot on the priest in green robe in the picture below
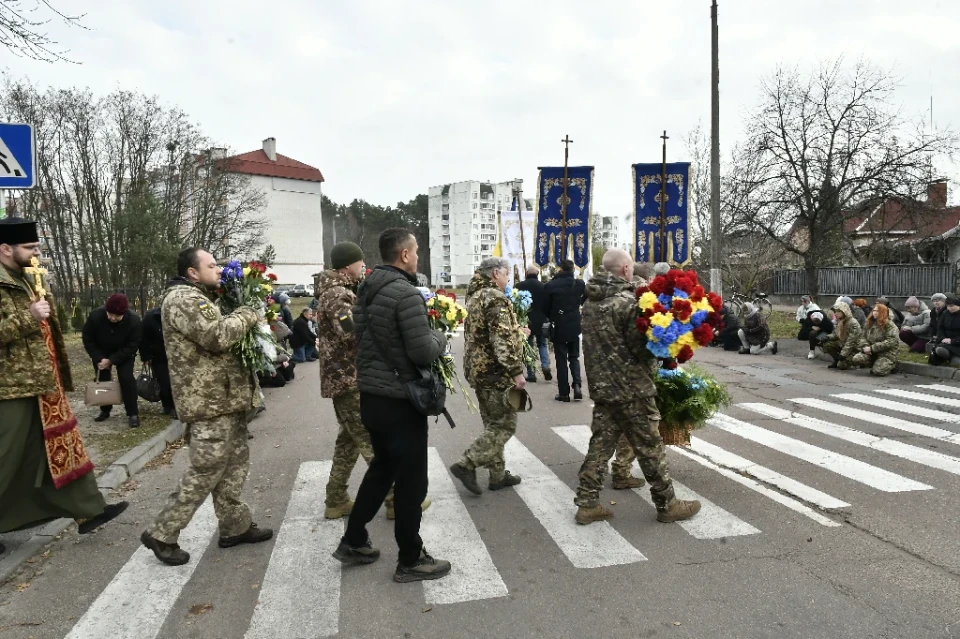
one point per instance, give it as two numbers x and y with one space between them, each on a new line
45 473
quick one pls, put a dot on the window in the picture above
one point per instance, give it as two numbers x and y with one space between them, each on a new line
474 206
475 195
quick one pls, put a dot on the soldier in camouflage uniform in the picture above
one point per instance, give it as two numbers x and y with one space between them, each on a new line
844 342
493 364
336 296
879 343
620 376
213 392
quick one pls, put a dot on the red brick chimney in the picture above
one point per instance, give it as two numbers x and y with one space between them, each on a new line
937 194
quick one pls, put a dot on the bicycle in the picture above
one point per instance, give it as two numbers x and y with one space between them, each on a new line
737 301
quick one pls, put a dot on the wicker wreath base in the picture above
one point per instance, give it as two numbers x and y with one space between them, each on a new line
675 435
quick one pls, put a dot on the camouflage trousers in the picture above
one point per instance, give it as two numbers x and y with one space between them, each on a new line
623 461
353 441
219 463
880 365
637 421
499 425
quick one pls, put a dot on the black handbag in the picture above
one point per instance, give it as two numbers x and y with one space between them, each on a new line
147 385
428 394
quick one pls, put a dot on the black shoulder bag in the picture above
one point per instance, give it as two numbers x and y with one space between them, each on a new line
427 394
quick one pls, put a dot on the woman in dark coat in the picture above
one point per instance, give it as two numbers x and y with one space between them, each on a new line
815 330
729 336
755 334
111 337
947 340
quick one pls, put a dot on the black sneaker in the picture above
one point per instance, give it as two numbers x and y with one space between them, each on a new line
253 535
103 416
425 569
562 398
170 554
577 393
3 548
531 379
507 481
134 421
467 477
548 374
110 511
776 347
347 554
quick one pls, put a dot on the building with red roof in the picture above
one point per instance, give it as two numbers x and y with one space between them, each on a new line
293 214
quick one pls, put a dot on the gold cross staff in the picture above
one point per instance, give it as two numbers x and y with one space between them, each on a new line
37 272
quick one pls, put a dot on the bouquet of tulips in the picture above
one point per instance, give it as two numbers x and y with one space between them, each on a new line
522 301
446 314
250 285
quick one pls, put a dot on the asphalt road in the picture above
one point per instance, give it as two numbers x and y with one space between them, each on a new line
823 517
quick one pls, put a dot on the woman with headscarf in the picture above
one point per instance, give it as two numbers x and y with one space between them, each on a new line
915 330
815 330
947 341
938 306
806 307
843 344
755 334
879 343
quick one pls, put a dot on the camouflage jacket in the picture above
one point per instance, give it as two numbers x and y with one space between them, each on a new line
207 378
846 331
25 366
338 349
619 367
493 351
880 339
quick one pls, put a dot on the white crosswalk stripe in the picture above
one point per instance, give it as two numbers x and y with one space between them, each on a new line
136 603
878 418
899 407
449 532
916 454
712 522
943 388
300 595
551 502
921 397
726 459
841 464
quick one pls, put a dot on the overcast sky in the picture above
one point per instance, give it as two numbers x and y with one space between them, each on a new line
388 98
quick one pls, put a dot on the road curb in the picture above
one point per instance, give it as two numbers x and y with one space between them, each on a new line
116 474
789 348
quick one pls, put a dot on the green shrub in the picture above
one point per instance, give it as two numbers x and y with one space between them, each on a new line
77 319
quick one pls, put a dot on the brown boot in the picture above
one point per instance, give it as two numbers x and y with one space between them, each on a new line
336 512
170 554
589 515
253 535
392 513
625 483
678 510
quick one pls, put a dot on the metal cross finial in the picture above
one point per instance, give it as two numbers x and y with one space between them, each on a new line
567 141
37 272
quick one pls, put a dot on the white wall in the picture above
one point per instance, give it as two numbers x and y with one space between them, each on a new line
294 227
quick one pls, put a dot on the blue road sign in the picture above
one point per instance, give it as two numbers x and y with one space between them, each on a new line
18 159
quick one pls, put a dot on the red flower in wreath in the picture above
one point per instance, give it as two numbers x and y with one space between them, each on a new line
272 277
698 294
643 325
659 285
641 290
703 334
685 355
670 364
682 309
716 302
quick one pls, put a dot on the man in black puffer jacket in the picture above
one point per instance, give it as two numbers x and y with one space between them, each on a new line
563 296
390 307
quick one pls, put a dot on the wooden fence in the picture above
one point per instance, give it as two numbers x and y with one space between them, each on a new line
899 280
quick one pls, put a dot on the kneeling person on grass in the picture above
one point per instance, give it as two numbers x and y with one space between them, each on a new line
879 343
620 377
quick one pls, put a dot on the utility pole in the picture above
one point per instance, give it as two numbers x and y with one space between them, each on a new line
563 203
716 274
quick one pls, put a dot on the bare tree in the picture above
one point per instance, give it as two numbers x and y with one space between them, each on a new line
23 29
819 149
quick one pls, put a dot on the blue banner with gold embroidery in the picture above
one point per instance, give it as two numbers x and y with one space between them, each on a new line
646 213
550 219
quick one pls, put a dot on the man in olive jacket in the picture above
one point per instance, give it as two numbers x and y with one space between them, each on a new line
394 341
213 392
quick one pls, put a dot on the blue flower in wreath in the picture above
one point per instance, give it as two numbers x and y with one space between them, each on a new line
698 318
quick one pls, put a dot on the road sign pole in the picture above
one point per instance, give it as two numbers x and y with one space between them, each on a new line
3 204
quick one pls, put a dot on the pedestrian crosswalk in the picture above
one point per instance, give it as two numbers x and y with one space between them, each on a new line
300 590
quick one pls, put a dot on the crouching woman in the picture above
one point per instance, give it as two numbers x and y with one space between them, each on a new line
879 343
844 342
946 341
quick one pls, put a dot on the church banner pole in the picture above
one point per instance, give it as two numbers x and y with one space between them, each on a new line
563 202
663 202
523 243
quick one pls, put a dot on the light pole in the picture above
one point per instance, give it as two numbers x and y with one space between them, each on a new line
716 274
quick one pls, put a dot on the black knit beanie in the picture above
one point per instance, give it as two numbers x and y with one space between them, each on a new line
344 254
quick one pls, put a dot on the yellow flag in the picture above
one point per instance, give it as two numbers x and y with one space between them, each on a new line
498 248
